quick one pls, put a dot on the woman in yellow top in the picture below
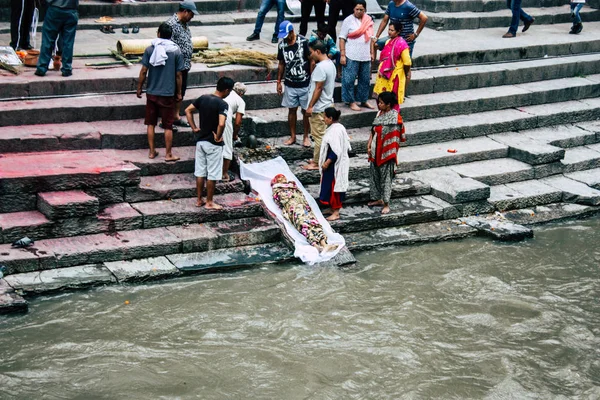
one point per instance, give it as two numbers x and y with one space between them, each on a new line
393 73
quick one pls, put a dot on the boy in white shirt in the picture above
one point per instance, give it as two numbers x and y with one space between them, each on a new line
235 113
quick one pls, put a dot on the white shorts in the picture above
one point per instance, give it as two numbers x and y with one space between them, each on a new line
295 97
228 142
209 161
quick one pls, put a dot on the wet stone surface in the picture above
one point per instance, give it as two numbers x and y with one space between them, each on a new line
498 228
142 270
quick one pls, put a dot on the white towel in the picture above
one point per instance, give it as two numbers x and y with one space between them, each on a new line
161 48
337 138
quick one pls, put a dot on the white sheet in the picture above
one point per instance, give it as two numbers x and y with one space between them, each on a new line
260 175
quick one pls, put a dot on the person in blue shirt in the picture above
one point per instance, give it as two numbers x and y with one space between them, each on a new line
321 33
405 12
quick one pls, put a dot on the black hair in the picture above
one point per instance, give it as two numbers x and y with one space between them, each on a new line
388 98
333 113
318 45
397 26
225 83
361 2
165 31
323 27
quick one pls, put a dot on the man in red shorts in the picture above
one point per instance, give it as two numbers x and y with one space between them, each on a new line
162 63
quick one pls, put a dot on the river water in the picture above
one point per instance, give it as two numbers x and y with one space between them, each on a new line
472 319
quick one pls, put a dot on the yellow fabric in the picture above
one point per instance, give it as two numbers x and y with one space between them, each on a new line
387 85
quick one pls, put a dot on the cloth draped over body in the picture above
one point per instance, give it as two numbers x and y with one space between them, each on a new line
366 29
389 133
336 138
260 176
161 48
391 76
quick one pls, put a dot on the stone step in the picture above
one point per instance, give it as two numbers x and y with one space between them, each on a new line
184 211
273 122
590 177
480 5
523 194
415 158
566 136
574 191
137 244
404 211
501 18
35 225
581 158
67 204
10 301
528 150
358 190
495 172
174 186
550 212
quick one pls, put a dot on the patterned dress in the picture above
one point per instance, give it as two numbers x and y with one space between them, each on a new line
182 36
296 210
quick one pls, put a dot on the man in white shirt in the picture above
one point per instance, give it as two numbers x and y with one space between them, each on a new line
320 94
235 113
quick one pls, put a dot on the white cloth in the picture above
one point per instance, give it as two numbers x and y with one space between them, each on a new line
260 175
236 105
161 48
337 139
356 49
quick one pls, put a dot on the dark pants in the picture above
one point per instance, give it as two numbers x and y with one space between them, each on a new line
21 15
335 6
306 8
58 21
517 14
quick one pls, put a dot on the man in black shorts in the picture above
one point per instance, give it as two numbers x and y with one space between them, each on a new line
162 62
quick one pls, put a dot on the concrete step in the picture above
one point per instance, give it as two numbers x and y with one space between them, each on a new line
404 211
10 301
581 158
523 194
481 5
273 122
184 211
574 191
420 157
550 212
67 204
590 177
501 18
358 190
137 244
495 172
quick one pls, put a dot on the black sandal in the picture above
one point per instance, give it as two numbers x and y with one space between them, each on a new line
105 29
136 29
125 29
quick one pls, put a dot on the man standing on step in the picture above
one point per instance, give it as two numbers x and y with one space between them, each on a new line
212 111
517 14
182 36
294 69
405 12
21 16
61 19
235 113
265 7
322 85
163 63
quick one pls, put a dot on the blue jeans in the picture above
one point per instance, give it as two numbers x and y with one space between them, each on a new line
353 69
265 7
58 21
517 14
575 8
381 42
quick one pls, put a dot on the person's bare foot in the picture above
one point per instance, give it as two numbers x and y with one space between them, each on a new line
375 203
385 210
290 142
333 217
327 211
171 158
153 155
199 203
354 106
329 247
310 166
213 206
366 104
306 142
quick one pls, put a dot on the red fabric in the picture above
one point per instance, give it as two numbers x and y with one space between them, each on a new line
366 28
276 178
391 145
335 200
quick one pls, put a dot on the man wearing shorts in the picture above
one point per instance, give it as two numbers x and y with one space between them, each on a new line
295 66
162 62
235 113
212 110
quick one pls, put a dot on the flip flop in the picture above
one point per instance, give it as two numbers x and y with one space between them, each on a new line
154 156
125 29
182 123
172 159
105 29
136 29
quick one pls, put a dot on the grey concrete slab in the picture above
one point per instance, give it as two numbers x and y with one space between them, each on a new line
550 212
475 208
529 150
574 191
407 235
568 111
581 158
67 204
243 232
451 187
590 177
495 172
79 277
499 228
225 259
142 269
33 224
546 170
564 136
523 194
108 195
194 237
28 259
11 302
